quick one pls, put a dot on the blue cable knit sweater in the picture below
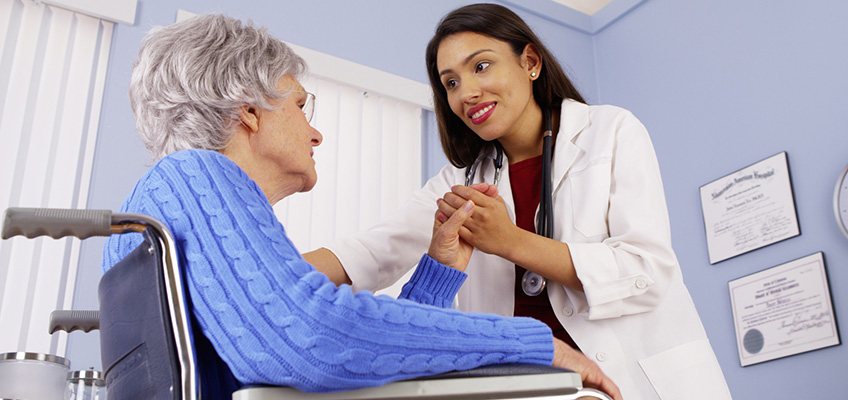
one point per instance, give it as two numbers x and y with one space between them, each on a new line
273 319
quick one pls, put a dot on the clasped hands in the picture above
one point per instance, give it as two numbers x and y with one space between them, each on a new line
475 216
463 218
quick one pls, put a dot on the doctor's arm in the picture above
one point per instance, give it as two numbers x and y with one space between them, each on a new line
375 258
445 247
327 263
630 269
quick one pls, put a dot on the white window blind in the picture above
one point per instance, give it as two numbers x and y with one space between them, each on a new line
368 164
370 161
52 72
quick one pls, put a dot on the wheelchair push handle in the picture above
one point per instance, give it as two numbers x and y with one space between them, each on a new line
56 223
72 320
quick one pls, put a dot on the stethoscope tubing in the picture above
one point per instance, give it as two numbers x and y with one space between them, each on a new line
471 171
532 283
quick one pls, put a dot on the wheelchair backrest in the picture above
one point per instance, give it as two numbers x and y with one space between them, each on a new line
136 339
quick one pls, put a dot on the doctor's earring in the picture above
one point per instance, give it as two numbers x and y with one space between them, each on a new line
532 74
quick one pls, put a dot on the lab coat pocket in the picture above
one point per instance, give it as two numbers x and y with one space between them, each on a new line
590 191
689 371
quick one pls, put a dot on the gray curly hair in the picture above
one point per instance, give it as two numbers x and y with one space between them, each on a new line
191 78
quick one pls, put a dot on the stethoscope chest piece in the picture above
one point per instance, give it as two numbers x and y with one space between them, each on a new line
532 283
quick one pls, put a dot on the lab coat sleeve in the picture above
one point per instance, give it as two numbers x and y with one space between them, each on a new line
628 271
377 257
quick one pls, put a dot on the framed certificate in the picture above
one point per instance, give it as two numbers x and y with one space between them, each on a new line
783 310
749 209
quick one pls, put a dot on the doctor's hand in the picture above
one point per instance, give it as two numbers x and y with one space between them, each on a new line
446 246
567 357
490 229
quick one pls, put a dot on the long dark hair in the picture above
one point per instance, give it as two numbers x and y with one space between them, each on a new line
460 143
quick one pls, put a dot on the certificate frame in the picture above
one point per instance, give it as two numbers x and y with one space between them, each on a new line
783 311
750 208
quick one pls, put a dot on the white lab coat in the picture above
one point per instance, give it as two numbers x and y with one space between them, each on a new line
635 317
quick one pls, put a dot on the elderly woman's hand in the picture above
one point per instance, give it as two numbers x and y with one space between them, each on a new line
490 230
446 246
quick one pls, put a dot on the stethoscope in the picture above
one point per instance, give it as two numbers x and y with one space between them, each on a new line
532 283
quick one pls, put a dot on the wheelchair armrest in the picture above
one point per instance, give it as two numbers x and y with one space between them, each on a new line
481 383
498 370
71 320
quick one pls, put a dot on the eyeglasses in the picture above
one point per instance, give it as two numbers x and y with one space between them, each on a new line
308 106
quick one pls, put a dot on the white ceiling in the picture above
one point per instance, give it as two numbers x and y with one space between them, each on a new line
588 7
589 16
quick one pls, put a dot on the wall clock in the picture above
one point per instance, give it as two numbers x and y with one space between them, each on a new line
840 201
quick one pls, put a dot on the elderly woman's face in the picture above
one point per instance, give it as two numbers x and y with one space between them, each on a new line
288 140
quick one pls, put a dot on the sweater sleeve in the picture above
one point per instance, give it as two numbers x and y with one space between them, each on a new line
377 257
433 283
275 320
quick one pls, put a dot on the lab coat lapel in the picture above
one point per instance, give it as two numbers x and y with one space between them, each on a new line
573 118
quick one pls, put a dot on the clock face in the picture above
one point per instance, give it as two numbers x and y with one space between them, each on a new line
840 201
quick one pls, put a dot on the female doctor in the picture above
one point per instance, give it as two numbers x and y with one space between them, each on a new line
594 260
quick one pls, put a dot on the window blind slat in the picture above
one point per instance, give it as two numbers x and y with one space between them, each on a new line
13 122
349 156
409 147
370 179
15 292
51 264
99 85
36 175
391 157
74 113
6 22
326 120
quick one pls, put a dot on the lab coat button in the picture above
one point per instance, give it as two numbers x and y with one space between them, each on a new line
601 356
641 283
568 311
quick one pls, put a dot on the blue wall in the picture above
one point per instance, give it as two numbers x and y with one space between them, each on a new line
720 84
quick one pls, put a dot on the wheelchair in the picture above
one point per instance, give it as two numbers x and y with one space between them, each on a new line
146 333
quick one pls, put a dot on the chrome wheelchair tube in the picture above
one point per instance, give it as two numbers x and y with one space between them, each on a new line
177 305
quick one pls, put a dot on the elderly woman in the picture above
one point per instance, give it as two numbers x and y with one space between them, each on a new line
219 106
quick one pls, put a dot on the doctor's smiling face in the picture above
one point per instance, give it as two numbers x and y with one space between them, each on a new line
488 86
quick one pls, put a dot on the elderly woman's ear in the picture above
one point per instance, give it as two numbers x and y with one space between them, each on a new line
249 118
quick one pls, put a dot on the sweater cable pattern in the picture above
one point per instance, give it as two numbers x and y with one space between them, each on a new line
275 320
